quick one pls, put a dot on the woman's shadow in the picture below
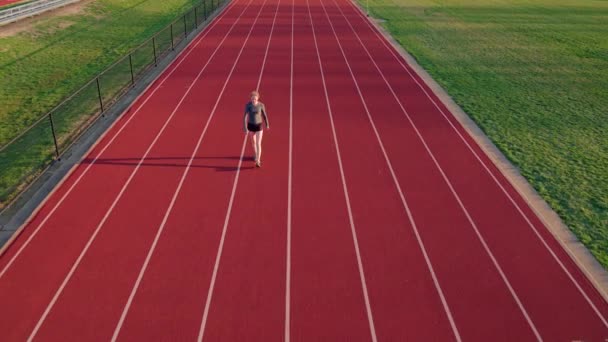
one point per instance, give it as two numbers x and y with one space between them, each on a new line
180 162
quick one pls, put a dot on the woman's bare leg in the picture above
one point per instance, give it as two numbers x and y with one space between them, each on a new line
254 144
258 143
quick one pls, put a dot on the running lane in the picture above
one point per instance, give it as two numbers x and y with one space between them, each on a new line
405 300
248 301
36 263
327 298
560 300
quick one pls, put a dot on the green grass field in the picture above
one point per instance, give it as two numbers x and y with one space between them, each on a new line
534 76
47 62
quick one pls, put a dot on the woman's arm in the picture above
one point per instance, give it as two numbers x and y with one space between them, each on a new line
265 117
245 118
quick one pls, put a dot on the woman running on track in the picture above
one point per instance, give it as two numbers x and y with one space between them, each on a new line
255 112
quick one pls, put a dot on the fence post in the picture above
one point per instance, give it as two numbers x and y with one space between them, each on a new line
195 18
131 65
154 49
205 9
99 93
185 30
54 136
172 47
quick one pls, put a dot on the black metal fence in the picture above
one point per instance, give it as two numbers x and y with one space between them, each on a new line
24 157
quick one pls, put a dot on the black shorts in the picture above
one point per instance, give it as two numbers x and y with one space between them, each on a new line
254 127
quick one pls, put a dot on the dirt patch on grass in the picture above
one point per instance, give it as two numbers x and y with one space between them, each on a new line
28 24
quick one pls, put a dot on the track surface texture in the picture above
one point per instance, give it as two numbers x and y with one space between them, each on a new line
8 2
374 217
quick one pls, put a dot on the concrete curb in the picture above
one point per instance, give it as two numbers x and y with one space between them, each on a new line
594 271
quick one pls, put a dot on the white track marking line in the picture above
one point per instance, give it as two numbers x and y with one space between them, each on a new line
176 193
530 224
274 19
67 193
398 186
201 332
122 191
289 175
347 197
157 237
449 184
218 257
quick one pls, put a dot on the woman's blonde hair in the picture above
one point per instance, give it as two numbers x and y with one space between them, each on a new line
254 93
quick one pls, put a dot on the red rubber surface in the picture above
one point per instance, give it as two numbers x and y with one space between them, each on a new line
376 220
9 2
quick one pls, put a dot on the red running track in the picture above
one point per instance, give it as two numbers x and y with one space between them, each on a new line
9 2
375 215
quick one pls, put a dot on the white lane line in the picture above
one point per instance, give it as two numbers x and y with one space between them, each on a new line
513 202
175 195
201 332
398 186
343 178
218 257
187 51
274 20
449 184
122 191
289 175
